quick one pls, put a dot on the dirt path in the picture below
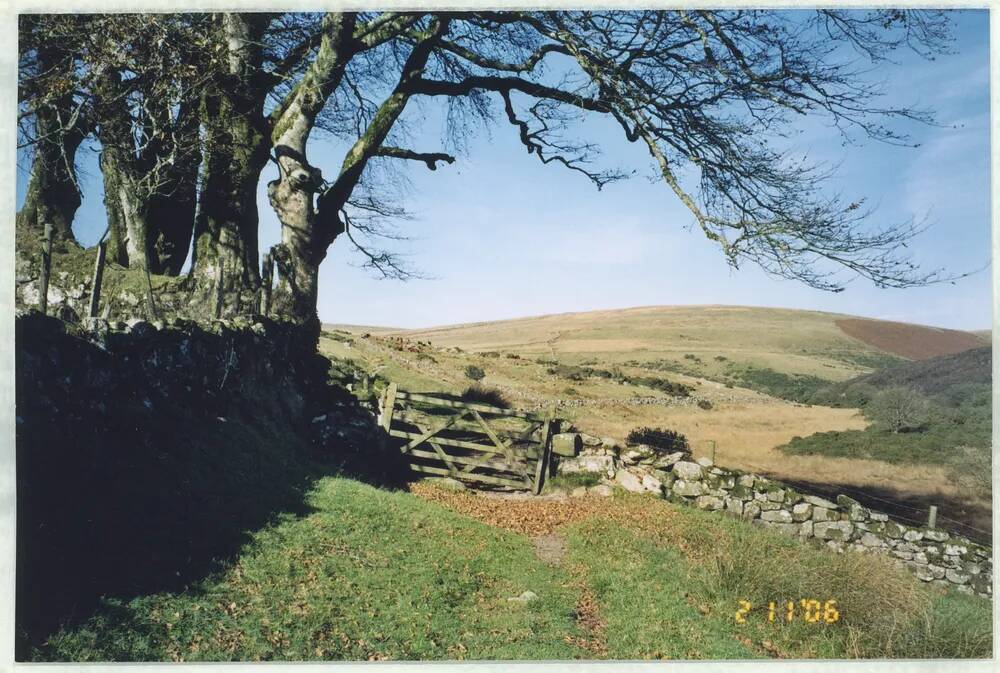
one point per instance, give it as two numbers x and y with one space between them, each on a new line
550 548
539 518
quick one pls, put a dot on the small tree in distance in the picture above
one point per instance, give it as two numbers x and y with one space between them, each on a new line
898 409
475 373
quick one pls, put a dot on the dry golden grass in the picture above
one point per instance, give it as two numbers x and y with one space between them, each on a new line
746 427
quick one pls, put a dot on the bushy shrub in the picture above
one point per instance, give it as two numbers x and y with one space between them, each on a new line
704 404
661 439
483 395
475 373
425 357
490 354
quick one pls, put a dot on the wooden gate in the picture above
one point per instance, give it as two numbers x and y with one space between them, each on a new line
469 441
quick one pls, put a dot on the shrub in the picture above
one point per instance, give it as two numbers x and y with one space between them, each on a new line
663 385
483 395
721 358
490 354
570 391
422 357
662 439
704 404
512 356
475 373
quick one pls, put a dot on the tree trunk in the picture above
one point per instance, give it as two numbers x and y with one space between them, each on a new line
172 208
52 194
237 147
117 250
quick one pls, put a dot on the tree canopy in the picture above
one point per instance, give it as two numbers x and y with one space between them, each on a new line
189 109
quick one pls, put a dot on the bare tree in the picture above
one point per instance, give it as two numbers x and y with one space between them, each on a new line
707 93
898 409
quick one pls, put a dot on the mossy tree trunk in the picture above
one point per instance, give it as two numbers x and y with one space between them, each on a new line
237 147
53 195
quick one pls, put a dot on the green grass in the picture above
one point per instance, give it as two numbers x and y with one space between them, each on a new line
373 574
570 480
674 593
369 574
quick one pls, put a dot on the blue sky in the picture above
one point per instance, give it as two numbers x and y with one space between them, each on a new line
499 235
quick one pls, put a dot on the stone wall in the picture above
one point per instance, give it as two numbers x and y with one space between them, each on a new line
933 555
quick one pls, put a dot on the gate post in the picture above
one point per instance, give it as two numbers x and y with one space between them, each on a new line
543 458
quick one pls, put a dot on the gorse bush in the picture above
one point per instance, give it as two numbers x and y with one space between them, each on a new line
483 395
661 439
475 373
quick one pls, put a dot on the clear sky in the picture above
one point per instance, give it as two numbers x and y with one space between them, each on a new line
499 235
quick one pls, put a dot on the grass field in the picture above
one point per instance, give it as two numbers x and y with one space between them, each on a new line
373 575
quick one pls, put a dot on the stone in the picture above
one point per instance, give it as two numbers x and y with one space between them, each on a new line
139 327
666 478
913 536
651 483
936 535
688 488
708 502
782 527
687 471
768 505
954 550
776 495
609 444
633 457
937 572
602 490
801 512
525 597
734 506
806 529
894 530
871 540
578 492
819 502
629 481
705 461
746 480
878 516
669 459
447 483
956 577
821 513
834 530
751 510
587 463
741 491
778 515
590 440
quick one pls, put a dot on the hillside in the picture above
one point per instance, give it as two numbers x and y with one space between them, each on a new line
915 342
793 342
936 375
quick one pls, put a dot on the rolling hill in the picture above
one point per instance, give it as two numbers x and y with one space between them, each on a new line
829 346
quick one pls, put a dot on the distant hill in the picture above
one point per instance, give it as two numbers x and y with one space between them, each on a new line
936 375
914 342
708 340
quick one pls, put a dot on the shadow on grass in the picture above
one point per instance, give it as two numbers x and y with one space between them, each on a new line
138 473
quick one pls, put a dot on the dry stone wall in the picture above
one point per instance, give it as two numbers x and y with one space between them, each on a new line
933 555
